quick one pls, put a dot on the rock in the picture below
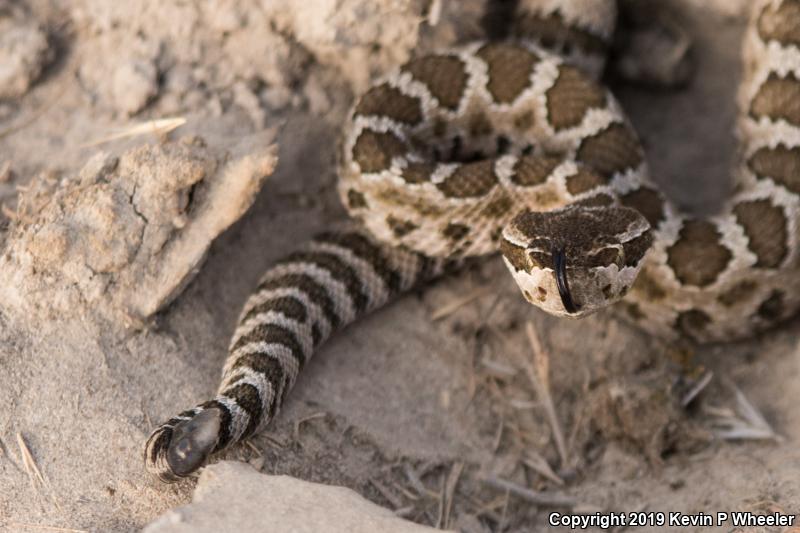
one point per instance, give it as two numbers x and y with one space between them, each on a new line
126 81
231 496
126 234
24 52
225 16
266 56
134 84
356 37
244 97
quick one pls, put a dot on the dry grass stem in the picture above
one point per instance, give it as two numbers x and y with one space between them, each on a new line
407 493
532 496
489 507
498 436
434 12
257 463
415 481
538 374
404 512
498 369
386 493
446 503
522 404
5 172
274 441
253 447
501 522
156 127
31 468
147 419
9 213
697 388
454 305
440 507
744 423
540 465
299 423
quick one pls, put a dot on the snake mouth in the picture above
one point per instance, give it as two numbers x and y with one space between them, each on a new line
560 271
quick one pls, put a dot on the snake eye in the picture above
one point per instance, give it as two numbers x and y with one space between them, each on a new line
560 270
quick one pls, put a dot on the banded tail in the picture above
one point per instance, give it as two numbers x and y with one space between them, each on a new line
300 301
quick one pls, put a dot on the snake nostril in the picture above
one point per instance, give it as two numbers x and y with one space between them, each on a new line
560 270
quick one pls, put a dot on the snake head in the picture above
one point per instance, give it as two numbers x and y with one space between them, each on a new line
576 260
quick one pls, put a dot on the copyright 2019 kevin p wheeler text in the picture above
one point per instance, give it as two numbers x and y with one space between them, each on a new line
670 519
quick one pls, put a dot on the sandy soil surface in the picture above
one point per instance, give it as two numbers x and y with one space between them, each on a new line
431 407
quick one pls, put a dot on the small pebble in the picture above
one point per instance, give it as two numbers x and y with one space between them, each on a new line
24 53
134 84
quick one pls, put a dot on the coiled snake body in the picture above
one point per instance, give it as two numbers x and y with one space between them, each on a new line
513 146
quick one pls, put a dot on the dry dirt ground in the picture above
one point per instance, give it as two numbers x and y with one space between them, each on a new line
435 407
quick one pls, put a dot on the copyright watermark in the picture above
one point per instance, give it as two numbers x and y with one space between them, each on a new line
670 519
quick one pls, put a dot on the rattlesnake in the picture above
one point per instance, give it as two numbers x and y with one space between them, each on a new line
513 146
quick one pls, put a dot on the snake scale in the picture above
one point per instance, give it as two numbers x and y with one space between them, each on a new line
513 146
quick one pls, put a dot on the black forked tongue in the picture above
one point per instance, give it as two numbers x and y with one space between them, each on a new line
560 269
193 441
